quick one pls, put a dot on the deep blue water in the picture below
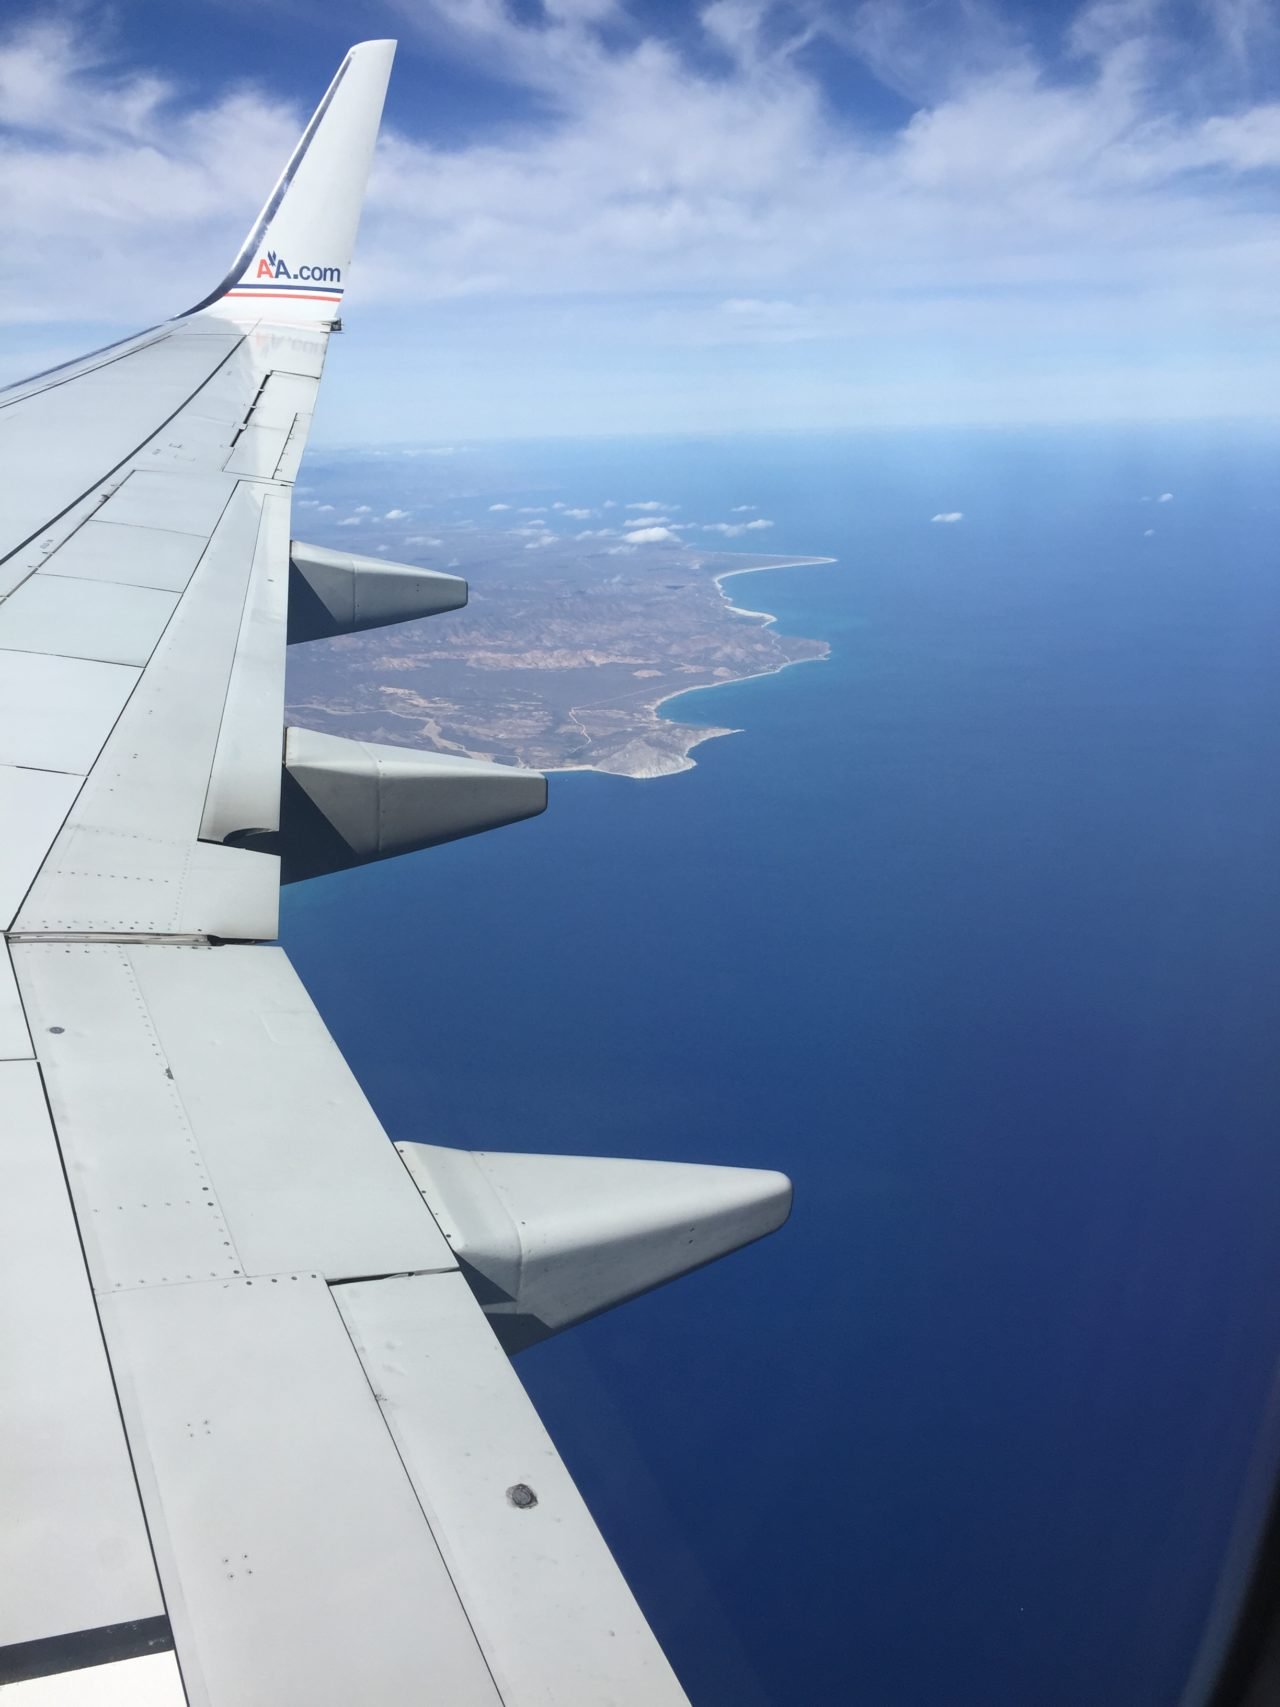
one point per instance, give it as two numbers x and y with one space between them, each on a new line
974 932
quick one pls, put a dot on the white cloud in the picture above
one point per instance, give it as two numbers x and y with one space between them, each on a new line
650 536
422 539
395 515
1090 222
533 510
734 530
350 522
949 516
577 515
364 509
1147 532
499 506
325 508
741 509
1165 498
650 504
596 533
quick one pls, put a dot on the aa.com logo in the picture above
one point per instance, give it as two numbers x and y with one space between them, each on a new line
273 266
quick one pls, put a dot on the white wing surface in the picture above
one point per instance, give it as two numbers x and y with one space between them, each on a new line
260 1438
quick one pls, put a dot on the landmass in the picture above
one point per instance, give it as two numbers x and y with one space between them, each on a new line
560 660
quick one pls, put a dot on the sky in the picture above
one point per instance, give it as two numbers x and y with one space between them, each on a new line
601 217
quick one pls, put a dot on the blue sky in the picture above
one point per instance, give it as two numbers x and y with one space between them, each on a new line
595 217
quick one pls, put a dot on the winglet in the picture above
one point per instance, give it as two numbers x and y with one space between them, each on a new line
294 263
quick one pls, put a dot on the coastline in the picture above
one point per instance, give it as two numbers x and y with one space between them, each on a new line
767 618
673 763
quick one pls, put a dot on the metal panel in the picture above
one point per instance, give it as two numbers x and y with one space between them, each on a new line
49 378
15 1041
284 396
257 451
229 395
230 893
55 713
302 1169
244 783
184 503
148 1209
191 443
157 352
85 619
199 325
138 556
74 1554
37 552
296 1564
209 1121
58 443
528 1571
128 858
289 349
33 805
291 456
161 888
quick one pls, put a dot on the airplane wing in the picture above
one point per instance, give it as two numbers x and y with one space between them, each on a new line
261 1441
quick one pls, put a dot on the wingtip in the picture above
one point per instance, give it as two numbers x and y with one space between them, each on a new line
292 267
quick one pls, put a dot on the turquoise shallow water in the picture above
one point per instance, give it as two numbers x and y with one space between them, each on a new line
972 931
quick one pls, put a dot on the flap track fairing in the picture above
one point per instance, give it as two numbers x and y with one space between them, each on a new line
547 1241
340 592
345 802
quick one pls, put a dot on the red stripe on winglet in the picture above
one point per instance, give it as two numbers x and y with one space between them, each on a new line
283 296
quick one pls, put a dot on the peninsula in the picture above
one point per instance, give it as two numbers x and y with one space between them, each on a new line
561 659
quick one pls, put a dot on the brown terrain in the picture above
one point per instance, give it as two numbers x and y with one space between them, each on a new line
559 663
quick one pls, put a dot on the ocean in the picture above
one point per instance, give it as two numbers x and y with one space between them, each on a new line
973 931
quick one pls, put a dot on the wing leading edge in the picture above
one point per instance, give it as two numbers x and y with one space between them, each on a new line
260 1439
